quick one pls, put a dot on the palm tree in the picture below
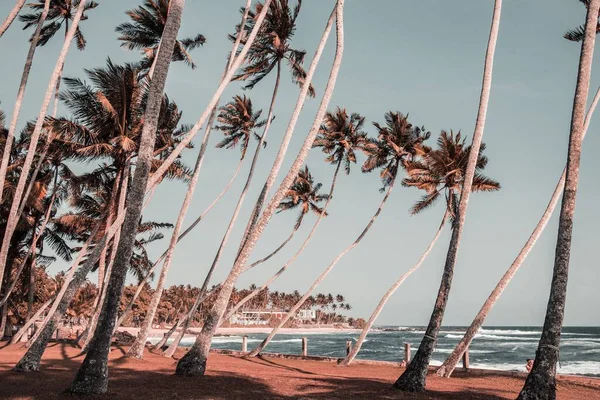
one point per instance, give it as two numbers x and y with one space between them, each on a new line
413 378
92 376
240 122
440 171
339 136
27 163
541 381
11 16
145 31
304 194
397 142
61 12
194 362
19 100
449 364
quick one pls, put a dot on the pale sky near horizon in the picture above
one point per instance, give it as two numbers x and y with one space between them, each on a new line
424 58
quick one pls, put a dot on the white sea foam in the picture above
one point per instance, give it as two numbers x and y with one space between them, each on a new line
492 337
449 351
508 332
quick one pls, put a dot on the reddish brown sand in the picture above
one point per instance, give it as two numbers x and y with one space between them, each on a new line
231 377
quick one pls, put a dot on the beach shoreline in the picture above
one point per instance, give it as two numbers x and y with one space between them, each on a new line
240 331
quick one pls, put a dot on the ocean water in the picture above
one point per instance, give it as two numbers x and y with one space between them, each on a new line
500 348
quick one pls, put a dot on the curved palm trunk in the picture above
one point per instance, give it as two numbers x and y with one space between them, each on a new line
194 362
11 17
32 249
446 369
178 323
292 312
291 260
20 95
91 329
414 377
186 322
281 246
363 335
137 349
181 236
18 196
541 381
92 376
21 332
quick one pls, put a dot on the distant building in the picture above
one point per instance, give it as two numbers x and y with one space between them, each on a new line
262 317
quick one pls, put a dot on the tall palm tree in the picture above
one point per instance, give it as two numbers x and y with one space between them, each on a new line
441 171
145 30
10 134
62 12
27 163
413 378
398 141
92 376
450 363
11 16
239 123
541 381
339 137
194 362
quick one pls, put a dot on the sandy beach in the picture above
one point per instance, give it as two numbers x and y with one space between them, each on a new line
232 377
158 332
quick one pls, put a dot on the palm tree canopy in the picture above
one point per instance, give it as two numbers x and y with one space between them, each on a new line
273 44
145 32
444 170
340 135
239 122
398 142
60 12
577 34
304 193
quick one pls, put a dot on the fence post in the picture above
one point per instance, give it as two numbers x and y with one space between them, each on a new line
407 353
465 359
348 346
304 347
244 344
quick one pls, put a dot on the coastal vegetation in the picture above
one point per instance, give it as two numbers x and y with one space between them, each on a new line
75 187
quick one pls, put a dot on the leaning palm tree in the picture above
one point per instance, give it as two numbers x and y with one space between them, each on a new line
92 376
11 16
10 134
440 172
447 367
145 30
37 130
541 381
413 378
239 123
339 137
194 362
398 142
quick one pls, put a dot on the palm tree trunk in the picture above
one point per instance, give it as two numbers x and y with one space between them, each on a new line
91 329
292 312
16 201
181 236
92 376
194 362
167 336
186 322
17 336
20 94
446 369
281 246
413 378
291 261
11 17
541 381
32 249
137 349
363 335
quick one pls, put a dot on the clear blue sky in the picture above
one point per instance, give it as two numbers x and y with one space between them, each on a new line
419 57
